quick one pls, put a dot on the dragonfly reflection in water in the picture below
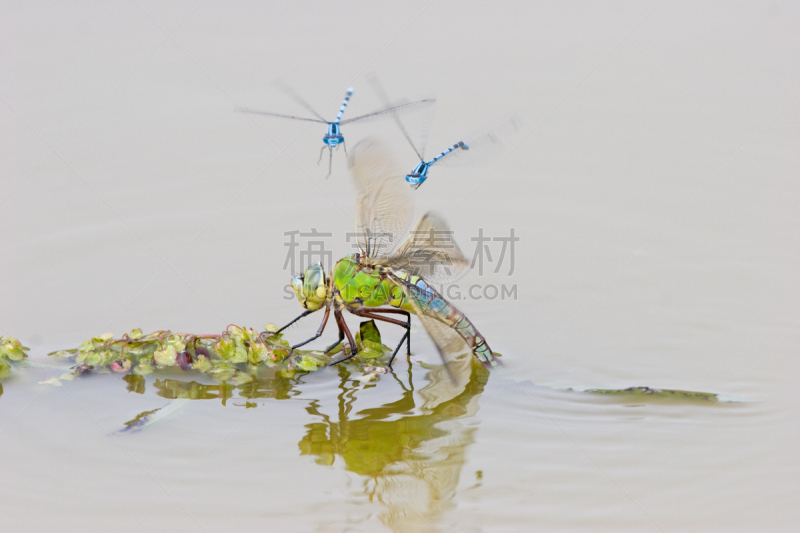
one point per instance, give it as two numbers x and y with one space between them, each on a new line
374 282
333 138
410 453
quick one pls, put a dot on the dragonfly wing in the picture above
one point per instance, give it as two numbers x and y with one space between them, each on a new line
257 112
430 251
384 205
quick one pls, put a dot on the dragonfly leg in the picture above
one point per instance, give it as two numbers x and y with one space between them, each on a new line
330 163
407 324
320 153
350 339
319 331
337 316
305 313
344 146
406 335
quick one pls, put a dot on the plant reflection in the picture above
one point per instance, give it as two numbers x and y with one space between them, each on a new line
266 384
410 451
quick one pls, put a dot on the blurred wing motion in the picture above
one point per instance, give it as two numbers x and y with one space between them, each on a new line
431 251
487 139
297 98
257 112
394 110
384 205
414 130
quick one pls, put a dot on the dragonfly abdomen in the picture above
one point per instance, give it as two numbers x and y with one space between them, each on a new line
433 304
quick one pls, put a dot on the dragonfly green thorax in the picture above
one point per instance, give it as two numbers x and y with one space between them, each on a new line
355 284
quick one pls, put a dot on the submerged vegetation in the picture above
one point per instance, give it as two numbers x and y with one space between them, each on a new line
648 393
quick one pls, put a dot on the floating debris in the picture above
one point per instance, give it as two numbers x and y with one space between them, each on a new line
58 380
658 394
83 368
148 418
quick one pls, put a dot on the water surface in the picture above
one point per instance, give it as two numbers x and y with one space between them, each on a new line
653 188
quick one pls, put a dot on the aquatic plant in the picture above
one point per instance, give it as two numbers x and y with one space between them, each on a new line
10 350
257 364
229 356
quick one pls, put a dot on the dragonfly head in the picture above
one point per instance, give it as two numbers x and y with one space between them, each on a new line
311 287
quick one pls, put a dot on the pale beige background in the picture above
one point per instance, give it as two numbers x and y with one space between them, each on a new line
654 187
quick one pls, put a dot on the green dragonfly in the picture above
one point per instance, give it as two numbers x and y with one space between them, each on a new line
379 281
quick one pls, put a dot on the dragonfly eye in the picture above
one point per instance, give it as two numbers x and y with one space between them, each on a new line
297 287
315 289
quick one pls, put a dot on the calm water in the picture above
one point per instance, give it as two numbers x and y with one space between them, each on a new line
653 188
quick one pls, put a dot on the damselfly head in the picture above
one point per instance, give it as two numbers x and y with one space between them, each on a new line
418 175
311 287
415 181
